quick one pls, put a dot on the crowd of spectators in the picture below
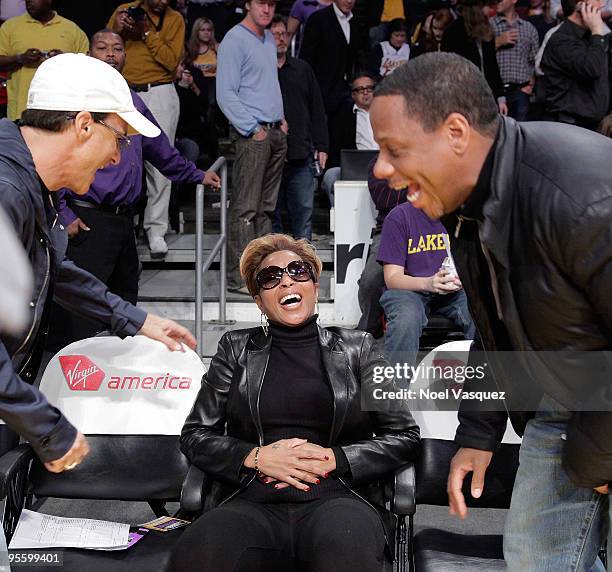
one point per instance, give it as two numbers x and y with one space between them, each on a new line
291 93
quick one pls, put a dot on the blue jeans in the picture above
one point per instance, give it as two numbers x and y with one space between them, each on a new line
518 103
329 180
553 525
296 194
407 313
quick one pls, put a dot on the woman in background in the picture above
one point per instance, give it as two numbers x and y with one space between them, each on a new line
429 38
201 64
472 37
202 47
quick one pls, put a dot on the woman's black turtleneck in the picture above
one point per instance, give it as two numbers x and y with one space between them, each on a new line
296 400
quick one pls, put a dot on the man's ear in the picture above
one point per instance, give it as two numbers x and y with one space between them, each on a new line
83 125
458 132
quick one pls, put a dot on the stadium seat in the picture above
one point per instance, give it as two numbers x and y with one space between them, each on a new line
354 164
122 468
442 551
139 466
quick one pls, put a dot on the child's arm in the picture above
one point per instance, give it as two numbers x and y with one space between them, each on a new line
440 283
395 279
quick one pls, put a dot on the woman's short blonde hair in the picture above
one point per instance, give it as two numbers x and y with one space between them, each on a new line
258 249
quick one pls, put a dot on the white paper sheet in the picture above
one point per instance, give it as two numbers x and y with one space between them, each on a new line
36 530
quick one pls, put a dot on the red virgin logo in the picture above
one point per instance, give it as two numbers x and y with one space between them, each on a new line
81 373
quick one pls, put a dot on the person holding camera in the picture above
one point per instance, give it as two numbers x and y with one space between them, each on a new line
28 40
154 35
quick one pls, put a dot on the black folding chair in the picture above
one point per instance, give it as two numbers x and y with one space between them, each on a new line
119 467
444 551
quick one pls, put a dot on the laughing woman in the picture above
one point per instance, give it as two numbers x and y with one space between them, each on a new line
282 426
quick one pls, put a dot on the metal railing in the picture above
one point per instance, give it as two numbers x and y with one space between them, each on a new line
220 247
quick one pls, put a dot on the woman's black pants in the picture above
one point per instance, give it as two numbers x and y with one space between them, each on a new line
328 535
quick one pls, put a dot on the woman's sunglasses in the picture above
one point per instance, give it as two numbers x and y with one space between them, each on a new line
271 276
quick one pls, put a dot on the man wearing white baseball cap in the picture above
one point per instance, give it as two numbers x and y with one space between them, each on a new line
77 119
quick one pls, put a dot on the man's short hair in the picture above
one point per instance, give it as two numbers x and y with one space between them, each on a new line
568 7
364 73
437 84
55 121
278 19
103 31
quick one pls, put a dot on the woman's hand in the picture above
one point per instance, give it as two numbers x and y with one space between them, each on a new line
284 462
323 468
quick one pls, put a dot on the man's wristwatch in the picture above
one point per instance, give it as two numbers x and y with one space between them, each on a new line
256 130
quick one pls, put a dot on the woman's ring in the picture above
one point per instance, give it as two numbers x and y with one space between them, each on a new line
70 466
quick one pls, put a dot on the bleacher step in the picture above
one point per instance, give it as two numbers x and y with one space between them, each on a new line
181 249
171 285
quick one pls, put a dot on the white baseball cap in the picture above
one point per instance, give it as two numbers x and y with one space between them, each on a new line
76 82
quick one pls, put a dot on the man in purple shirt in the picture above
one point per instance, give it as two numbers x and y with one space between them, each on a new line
412 250
99 223
300 12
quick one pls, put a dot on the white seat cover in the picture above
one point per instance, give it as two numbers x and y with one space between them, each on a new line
134 386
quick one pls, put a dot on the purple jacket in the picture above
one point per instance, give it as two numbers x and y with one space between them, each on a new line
122 184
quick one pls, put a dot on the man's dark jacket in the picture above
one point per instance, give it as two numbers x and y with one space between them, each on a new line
332 59
576 73
546 229
225 425
344 133
304 110
29 207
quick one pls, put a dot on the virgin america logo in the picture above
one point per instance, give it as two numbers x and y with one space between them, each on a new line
81 373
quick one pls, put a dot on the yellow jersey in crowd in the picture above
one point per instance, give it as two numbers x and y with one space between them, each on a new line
19 34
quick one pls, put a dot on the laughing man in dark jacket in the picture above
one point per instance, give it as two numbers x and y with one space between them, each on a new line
77 118
534 254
